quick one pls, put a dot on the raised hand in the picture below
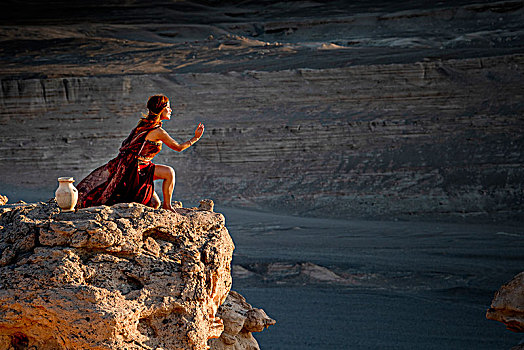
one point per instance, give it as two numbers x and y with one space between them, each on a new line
199 131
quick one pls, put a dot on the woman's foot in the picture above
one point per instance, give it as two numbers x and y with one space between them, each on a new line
154 202
167 207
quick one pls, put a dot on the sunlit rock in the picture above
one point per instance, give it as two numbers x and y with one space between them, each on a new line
240 320
120 277
508 304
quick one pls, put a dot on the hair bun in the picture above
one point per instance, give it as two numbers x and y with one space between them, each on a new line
157 103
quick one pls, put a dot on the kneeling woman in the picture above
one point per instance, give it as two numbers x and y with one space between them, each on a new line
129 177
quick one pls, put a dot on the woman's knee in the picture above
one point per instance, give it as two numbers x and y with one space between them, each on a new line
164 172
170 174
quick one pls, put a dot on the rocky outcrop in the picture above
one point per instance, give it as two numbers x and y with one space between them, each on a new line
508 304
240 320
120 277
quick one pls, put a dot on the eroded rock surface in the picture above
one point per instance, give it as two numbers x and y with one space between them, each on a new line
240 320
508 304
121 277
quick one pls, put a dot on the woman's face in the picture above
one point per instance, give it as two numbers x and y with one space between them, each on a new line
166 112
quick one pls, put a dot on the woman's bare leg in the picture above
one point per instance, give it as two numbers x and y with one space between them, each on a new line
167 174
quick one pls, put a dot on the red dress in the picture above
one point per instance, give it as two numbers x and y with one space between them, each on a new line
126 178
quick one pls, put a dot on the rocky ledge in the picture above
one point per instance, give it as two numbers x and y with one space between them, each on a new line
120 277
508 304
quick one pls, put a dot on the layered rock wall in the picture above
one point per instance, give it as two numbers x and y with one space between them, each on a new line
438 138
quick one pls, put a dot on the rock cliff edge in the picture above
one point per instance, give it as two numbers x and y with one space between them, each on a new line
120 277
508 304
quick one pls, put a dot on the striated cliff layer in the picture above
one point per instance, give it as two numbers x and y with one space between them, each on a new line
384 109
438 138
77 38
121 277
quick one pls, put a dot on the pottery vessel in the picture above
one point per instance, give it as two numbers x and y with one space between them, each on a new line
66 194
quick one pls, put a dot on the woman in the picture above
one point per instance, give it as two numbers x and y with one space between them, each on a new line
129 177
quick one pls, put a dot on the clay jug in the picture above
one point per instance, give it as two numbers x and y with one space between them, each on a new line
66 194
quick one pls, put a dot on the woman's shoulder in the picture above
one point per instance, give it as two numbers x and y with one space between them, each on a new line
158 130
157 134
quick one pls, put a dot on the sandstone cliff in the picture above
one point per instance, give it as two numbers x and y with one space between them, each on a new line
121 277
508 304
240 320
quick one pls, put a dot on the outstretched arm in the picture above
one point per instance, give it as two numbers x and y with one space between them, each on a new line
162 135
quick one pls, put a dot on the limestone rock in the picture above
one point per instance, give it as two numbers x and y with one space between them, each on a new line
240 320
508 304
121 277
206 204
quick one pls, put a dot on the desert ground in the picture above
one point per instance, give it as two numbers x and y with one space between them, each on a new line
368 156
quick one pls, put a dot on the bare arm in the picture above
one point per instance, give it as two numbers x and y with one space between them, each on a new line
162 135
